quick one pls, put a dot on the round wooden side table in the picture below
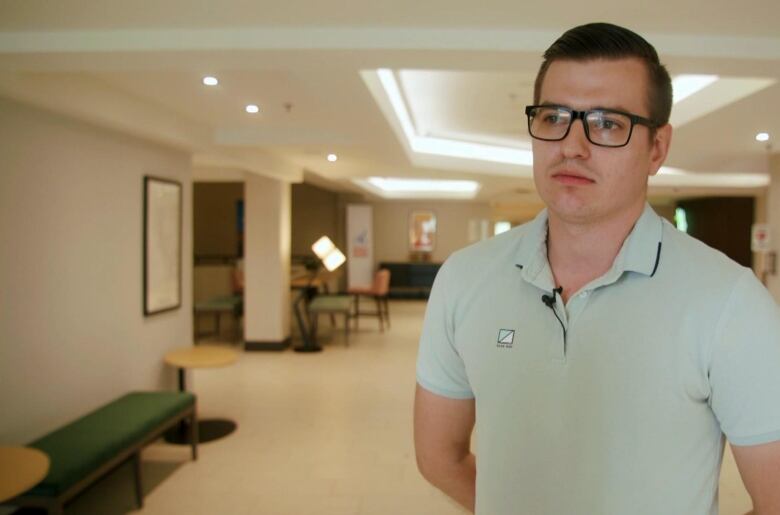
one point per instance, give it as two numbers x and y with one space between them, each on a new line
200 356
21 468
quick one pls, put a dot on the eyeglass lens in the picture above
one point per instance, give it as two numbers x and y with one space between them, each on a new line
603 127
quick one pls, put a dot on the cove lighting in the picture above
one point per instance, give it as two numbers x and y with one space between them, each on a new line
762 136
684 86
210 81
252 109
442 146
333 158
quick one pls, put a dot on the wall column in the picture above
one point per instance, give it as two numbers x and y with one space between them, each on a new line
267 263
773 219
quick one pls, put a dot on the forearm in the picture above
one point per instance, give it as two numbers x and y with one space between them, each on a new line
456 478
442 441
765 511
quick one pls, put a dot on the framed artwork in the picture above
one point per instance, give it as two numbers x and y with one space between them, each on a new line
162 245
422 231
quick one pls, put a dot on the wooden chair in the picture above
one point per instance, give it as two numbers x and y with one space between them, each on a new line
378 290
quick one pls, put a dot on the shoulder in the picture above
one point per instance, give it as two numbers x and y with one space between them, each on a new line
689 260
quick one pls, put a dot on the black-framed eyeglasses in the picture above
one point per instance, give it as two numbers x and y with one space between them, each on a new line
603 127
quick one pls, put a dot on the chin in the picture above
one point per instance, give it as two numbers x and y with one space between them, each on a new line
567 201
572 210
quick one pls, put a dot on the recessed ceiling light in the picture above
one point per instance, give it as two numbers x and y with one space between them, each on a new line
762 136
210 81
252 109
333 158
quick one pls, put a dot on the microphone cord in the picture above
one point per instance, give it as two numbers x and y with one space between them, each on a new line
549 301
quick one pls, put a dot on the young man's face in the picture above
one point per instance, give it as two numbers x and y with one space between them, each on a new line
580 182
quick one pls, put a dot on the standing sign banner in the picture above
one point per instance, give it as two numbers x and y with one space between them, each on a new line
759 238
360 246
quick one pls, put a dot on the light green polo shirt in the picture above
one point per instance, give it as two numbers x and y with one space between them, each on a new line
673 347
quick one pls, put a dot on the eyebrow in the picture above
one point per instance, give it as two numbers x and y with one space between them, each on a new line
603 108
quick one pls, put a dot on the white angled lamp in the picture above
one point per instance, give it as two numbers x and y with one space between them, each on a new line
331 258
328 253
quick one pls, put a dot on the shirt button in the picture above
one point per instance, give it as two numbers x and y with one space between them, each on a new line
584 294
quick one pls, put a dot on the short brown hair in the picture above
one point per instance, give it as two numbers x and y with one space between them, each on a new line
607 41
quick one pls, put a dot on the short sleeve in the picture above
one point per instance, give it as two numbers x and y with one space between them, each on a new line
745 365
440 368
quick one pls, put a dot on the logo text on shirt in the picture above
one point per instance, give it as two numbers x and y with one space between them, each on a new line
505 338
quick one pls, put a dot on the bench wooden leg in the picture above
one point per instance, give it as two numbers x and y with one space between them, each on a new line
55 508
139 490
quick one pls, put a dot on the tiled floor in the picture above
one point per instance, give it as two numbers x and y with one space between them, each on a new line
326 433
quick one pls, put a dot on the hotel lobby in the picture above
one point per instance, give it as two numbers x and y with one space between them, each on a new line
397 132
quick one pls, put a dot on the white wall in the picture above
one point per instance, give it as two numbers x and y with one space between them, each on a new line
72 330
391 227
314 214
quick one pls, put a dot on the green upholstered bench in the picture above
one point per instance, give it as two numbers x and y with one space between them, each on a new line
88 448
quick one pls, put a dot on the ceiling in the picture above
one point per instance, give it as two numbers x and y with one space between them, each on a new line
464 71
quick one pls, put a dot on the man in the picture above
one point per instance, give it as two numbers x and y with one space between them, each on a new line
601 353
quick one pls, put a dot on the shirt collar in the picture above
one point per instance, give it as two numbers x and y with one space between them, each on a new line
532 254
641 251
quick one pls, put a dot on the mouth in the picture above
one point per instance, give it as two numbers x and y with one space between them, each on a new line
569 177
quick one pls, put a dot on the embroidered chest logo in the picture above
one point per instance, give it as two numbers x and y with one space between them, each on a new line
505 338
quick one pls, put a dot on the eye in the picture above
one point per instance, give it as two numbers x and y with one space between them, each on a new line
606 122
552 117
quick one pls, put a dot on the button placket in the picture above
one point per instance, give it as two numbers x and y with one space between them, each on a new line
574 308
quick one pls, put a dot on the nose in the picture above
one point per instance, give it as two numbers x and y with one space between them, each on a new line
576 144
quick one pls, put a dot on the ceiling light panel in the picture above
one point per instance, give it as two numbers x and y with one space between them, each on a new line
399 188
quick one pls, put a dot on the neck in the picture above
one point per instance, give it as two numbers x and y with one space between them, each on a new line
581 252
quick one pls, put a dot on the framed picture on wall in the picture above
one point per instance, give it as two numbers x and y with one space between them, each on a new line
162 245
422 231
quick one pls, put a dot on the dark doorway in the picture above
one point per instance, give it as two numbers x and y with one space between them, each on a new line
723 223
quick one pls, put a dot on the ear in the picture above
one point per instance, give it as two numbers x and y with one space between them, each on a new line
660 148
